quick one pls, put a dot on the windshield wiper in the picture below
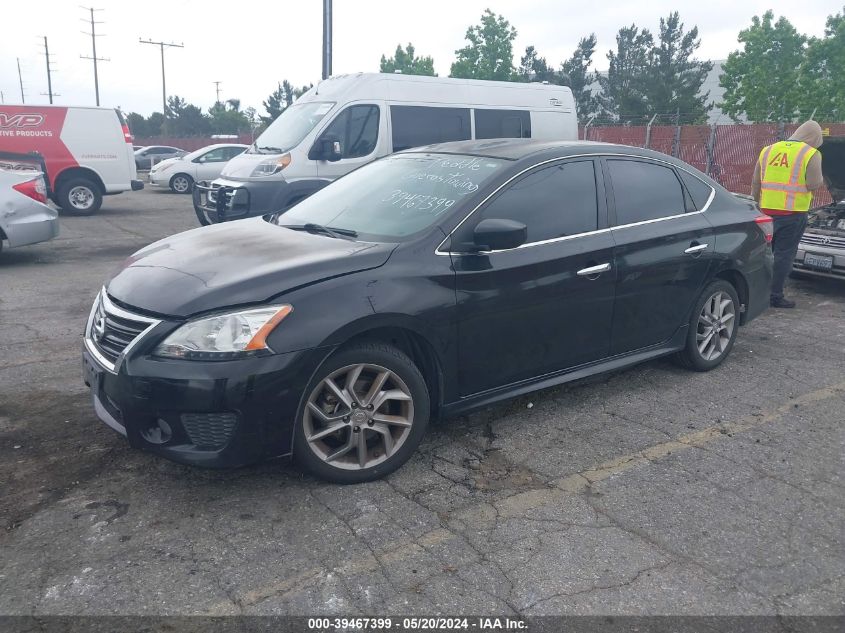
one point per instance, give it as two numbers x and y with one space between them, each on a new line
325 230
269 148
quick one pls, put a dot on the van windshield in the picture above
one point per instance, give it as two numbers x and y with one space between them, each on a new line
395 197
290 128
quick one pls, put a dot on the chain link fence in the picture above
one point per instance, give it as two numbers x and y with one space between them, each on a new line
726 153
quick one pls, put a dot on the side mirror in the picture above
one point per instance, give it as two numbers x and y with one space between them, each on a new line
495 234
327 148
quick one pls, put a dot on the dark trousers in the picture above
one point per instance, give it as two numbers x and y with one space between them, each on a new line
788 232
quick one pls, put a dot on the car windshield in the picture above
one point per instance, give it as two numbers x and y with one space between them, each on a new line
395 197
290 128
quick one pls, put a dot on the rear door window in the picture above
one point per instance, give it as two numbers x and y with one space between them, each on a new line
698 190
414 126
357 129
502 124
644 191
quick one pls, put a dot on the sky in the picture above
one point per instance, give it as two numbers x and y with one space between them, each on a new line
251 46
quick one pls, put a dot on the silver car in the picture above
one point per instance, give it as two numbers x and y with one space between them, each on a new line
821 251
25 217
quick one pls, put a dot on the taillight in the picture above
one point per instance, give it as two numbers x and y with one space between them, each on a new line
127 135
766 225
34 189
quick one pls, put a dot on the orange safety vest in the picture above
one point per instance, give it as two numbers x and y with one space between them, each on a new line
783 176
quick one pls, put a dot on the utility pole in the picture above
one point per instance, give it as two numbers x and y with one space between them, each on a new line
49 78
327 38
20 80
217 90
161 45
93 56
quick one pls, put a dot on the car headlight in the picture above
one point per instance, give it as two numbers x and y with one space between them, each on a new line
224 336
270 166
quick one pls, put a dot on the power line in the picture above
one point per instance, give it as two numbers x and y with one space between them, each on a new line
161 45
93 55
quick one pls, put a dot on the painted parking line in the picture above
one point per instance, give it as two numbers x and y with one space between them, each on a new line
518 504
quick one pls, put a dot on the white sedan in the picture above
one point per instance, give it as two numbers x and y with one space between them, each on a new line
181 173
25 217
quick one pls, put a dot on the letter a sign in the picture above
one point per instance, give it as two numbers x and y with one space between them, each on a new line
779 160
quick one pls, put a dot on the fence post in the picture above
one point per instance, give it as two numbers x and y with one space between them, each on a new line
648 132
711 150
587 127
781 130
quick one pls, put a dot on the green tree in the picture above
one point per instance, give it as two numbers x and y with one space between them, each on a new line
489 54
761 81
532 67
228 119
407 62
137 125
185 119
155 124
675 76
281 99
821 78
623 89
577 68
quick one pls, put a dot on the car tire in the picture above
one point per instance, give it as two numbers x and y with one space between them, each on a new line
713 327
181 183
79 196
378 407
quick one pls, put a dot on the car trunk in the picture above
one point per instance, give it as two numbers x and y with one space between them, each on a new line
830 219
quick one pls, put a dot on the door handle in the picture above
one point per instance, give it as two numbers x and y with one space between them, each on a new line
697 248
594 270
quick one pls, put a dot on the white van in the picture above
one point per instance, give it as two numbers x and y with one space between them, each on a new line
349 120
87 152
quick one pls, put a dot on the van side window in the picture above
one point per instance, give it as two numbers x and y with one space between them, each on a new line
502 124
420 125
357 129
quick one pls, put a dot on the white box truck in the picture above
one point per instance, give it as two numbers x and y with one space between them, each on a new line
350 120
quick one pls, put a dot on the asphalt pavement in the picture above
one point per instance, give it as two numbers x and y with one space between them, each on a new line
652 491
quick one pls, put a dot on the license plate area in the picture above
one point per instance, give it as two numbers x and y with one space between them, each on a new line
818 262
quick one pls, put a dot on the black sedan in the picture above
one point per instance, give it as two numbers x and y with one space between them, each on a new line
423 285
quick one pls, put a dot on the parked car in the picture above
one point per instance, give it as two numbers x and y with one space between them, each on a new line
821 252
181 173
427 284
87 152
350 120
25 217
146 157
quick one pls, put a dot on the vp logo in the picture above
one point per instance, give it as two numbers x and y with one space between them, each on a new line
20 120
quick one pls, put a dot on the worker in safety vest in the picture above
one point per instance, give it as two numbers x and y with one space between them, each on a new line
785 177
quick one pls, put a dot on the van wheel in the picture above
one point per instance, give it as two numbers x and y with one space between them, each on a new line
181 183
365 414
712 329
80 196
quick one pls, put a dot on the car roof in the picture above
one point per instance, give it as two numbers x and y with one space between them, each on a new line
516 149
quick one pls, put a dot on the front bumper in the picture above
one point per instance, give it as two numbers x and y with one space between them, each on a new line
214 414
837 253
223 199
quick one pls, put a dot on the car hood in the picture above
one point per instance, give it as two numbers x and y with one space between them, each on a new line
165 162
234 263
833 166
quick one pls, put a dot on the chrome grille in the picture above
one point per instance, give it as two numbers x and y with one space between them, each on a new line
112 330
823 240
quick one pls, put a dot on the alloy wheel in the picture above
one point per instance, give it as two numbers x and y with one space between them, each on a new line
716 324
81 198
358 416
180 184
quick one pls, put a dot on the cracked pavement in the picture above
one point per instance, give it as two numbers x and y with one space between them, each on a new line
653 491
